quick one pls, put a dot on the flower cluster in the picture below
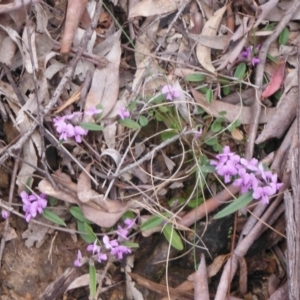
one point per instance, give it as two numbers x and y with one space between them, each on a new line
110 245
170 92
248 175
68 130
33 204
249 55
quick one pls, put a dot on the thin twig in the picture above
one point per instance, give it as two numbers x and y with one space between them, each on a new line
259 76
10 198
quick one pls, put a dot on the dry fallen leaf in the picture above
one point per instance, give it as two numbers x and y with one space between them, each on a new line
210 29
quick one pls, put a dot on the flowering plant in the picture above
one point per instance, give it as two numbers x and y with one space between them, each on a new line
254 181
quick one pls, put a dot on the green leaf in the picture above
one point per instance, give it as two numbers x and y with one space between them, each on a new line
93 281
240 71
193 203
132 105
284 36
168 134
130 124
163 108
223 80
226 90
77 213
128 215
272 58
196 77
130 244
53 201
216 126
203 89
209 95
153 222
270 27
91 126
211 141
159 99
173 237
159 117
86 232
234 125
28 184
238 203
143 121
51 216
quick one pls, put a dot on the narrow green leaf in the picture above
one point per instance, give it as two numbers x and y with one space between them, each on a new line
163 108
159 99
28 184
93 281
77 213
91 126
196 77
284 36
168 134
153 222
240 71
173 237
87 235
143 121
51 216
53 201
130 244
209 95
130 124
240 202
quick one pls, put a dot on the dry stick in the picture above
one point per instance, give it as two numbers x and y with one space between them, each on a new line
244 245
259 76
38 103
103 274
67 76
10 198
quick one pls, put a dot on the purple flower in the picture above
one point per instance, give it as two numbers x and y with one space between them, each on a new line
123 113
119 251
59 123
78 262
33 204
255 61
263 193
122 232
66 131
129 223
250 165
198 134
93 111
27 198
227 171
109 244
41 203
78 132
170 91
101 256
246 181
94 248
4 214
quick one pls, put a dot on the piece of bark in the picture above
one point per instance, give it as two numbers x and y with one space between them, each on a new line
59 286
283 117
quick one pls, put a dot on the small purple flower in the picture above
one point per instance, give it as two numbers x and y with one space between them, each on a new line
198 134
41 203
78 262
170 91
78 132
93 111
263 193
109 244
246 181
27 198
255 61
59 123
66 131
122 232
4 214
33 204
250 165
101 256
123 113
129 223
93 248
119 251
